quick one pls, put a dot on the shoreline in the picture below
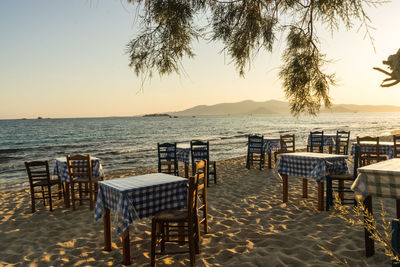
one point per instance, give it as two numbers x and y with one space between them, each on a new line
153 168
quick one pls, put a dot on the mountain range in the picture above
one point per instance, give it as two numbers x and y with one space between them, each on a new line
275 107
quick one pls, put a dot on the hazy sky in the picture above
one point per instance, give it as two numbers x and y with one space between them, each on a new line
67 59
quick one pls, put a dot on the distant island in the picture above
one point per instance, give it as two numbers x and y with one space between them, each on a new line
160 115
249 107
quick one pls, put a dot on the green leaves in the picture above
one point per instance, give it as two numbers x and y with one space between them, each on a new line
245 27
305 85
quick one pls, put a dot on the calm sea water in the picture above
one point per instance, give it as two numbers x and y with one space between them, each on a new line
125 143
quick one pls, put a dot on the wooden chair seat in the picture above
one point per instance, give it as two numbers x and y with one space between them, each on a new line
172 215
87 179
45 183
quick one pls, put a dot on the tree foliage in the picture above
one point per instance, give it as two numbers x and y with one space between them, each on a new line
393 63
245 27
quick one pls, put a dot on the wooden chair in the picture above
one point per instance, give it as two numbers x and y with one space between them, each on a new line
396 146
167 161
202 175
287 145
200 150
39 176
342 142
80 173
344 182
369 152
177 226
316 141
255 150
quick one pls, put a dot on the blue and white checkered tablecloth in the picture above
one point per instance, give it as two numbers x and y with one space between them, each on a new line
272 145
329 140
385 148
312 165
60 168
141 196
183 154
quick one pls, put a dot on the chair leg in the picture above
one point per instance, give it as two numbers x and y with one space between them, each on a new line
153 243
73 195
205 217
43 196
59 191
215 172
197 239
162 230
80 193
191 245
50 198
33 200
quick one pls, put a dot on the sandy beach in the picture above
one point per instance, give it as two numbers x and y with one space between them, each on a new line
249 226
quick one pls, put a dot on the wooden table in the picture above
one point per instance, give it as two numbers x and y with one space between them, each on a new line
137 197
310 165
381 179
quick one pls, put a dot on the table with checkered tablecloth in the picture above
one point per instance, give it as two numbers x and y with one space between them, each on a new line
385 148
61 169
381 179
310 165
138 197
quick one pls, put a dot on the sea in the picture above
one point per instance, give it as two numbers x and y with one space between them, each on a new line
126 143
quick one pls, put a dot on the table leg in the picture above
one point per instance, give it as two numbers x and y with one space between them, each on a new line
269 160
321 196
126 248
305 193
186 170
398 208
67 195
285 187
107 230
369 242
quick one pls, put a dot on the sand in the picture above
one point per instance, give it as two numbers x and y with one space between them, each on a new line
249 226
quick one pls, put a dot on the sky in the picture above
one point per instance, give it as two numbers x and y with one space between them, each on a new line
67 59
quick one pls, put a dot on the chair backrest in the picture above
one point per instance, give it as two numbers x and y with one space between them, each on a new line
287 143
256 143
317 140
199 150
396 146
342 142
369 152
194 189
167 161
38 171
79 166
